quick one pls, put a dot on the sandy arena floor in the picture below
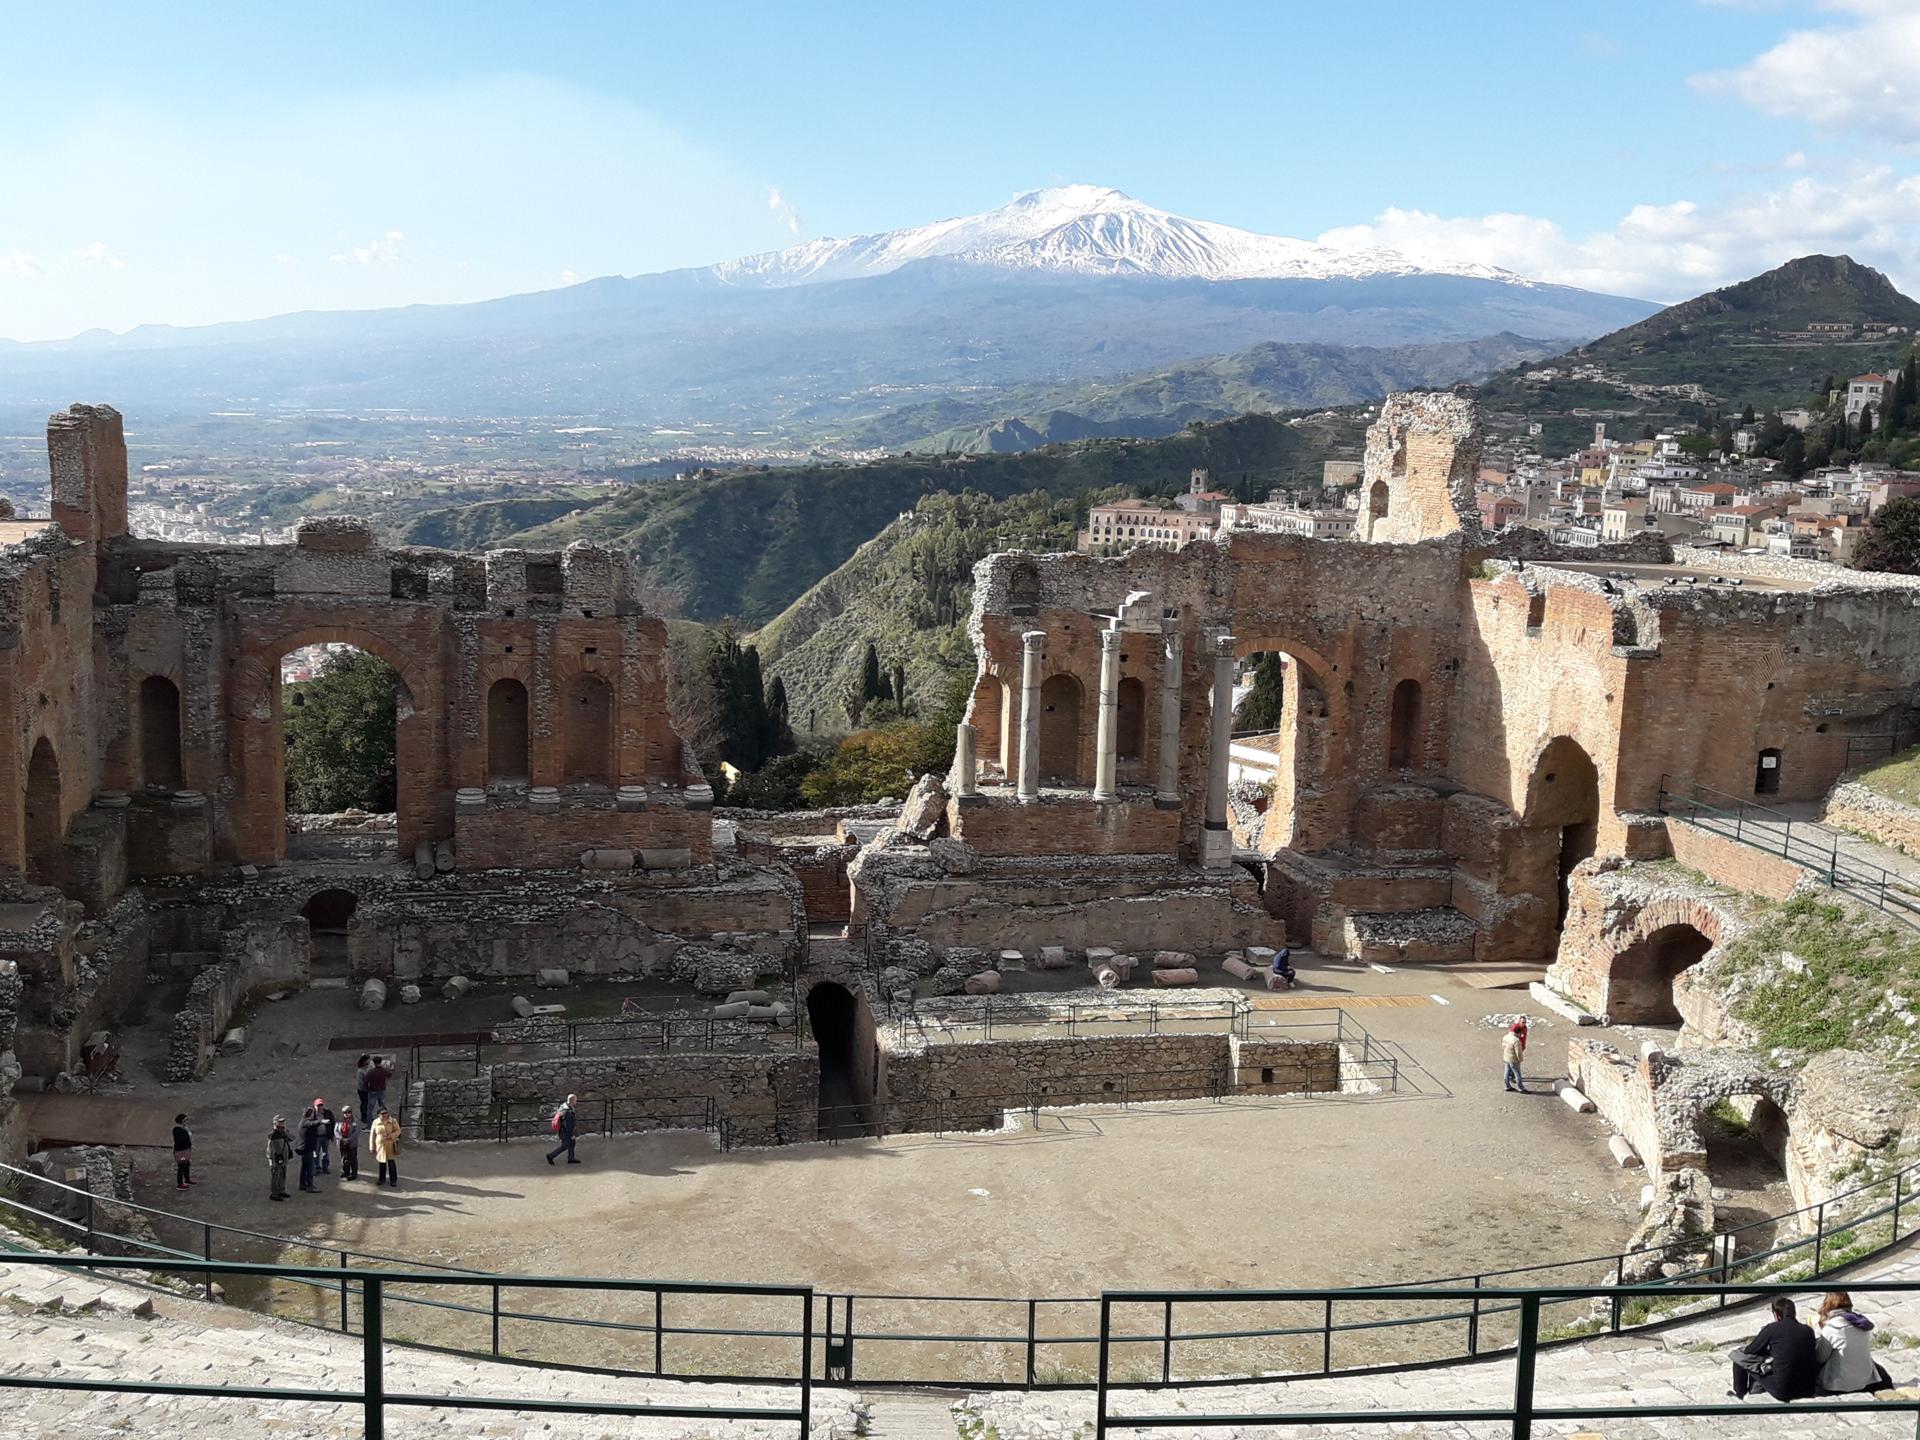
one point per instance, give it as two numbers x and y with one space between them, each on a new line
1452 1177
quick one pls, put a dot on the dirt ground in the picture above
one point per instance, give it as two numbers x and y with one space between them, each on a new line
1449 1177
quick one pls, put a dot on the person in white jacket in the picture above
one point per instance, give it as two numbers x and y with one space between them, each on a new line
1844 1346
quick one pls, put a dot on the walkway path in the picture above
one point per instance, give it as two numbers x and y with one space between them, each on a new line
1876 874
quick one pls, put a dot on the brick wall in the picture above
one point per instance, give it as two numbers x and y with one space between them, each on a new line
1734 864
1059 825
512 837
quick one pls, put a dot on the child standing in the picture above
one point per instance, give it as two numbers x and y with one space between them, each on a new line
348 1134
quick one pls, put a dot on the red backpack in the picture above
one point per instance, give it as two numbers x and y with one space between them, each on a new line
554 1127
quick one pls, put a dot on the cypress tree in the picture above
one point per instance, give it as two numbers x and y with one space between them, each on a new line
870 682
900 686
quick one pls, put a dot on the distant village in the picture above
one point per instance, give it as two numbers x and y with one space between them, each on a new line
1611 490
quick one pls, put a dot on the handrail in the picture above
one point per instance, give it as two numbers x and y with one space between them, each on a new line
1475 1298
375 1398
1525 1407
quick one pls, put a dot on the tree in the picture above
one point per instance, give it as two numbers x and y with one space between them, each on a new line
880 764
1793 454
1746 415
779 727
1647 432
776 785
1892 541
899 686
1261 709
340 737
1866 421
743 727
870 680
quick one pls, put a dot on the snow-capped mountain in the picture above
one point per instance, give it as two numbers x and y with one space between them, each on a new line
1087 230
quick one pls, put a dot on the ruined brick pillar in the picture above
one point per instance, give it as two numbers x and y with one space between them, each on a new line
1030 645
1167 792
1217 839
1106 735
965 773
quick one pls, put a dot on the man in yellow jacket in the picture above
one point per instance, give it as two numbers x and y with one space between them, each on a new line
386 1148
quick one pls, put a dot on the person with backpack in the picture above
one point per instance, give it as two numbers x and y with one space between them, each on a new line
378 1074
309 1149
348 1134
362 1068
279 1153
386 1148
566 1120
182 1154
325 1115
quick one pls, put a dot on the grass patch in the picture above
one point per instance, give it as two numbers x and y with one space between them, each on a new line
1726 1116
1836 994
1897 777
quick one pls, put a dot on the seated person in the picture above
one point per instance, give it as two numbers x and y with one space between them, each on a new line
1780 1360
1844 1347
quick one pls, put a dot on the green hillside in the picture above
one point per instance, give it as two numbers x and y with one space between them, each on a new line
908 591
1160 401
489 524
747 544
1744 345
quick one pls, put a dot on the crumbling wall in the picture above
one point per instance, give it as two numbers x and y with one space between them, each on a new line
1424 454
1856 808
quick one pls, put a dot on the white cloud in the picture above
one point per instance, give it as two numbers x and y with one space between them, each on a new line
384 251
1854 78
19 265
567 277
281 257
1672 251
778 204
98 253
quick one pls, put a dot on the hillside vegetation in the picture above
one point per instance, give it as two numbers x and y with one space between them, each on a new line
746 544
907 592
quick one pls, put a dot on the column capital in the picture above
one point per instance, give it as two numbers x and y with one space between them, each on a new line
1033 641
1109 641
1222 644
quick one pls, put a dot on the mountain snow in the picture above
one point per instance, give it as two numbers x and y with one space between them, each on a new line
1086 230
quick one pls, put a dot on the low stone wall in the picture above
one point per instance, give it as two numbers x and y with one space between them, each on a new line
201 1020
1854 807
497 836
1728 862
1065 825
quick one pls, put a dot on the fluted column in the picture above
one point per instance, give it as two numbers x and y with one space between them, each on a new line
1217 840
1106 737
1167 792
1030 645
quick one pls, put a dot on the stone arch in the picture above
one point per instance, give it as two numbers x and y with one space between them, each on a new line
1640 980
1406 727
45 830
509 737
329 914
1308 754
1380 497
160 754
1563 794
1130 719
843 1033
1060 696
987 714
586 727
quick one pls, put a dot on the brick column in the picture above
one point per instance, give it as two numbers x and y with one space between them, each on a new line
1167 794
1030 644
1216 839
1109 716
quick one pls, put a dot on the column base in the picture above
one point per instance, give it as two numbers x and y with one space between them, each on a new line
972 798
1166 802
1106 799
1216 848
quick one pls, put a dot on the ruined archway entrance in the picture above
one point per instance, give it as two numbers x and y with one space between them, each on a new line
339 711
1406 728
1564 796
1744 1138
160 733
1060 730
45 832
329 915
1289 702
1640 982
842 1027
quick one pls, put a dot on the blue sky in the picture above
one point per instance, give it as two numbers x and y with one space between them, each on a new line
184 164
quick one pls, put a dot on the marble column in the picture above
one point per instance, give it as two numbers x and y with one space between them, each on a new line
1167 792
1106 737
1030 646
1217 840
965 772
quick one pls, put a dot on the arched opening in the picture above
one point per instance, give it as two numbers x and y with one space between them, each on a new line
588 729
1564 795
46 834
340 711
1060 730
328 914
1406 742
987 729
1377 500
507 745
1766 773
1744 1138
1284 715
160 732
1640 982
1130 720
842 1026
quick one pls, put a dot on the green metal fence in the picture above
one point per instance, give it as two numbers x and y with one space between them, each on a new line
371 1289
1526 1405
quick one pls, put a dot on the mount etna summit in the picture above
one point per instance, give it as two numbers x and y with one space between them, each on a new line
1058 286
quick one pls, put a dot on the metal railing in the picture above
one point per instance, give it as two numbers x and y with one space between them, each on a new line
371 1288
1526 1406
990 1342
606 1117
1809 844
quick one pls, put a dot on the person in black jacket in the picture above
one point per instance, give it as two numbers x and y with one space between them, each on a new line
309 1148
566 1122
1781 1360
182 1154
